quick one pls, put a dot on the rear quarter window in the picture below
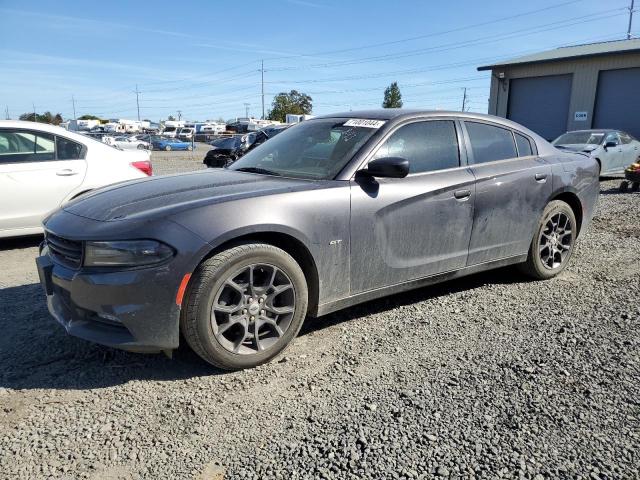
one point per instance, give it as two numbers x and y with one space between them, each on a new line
524 145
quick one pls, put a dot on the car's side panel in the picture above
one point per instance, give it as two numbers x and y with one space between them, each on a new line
319 219
510 197
407 228
576 174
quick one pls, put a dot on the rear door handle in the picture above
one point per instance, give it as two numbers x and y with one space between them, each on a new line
67 172
541 177
462 194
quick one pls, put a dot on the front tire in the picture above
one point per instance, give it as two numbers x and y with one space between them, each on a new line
553 242
189 148
168 148
244 306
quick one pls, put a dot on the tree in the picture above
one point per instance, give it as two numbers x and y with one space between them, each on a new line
392 96
46 117
294 102
89 117
171 118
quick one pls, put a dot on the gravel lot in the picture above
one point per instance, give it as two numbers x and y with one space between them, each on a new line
488 376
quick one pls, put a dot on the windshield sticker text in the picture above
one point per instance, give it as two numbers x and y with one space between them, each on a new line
363 122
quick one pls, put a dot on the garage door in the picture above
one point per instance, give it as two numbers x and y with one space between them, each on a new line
541 103
618 101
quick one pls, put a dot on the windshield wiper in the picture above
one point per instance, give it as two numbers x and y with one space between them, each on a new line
561 146
263 171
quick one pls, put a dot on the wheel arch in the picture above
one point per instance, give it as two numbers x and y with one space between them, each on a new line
573 201
290 244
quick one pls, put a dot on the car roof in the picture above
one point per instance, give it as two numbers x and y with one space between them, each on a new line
399 114
45 127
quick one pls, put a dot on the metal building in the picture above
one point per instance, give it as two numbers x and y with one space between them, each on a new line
570 88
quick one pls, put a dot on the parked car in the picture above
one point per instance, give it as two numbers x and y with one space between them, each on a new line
224 151
613 149
43 167
265 134
334 211
130 143
169 144
186 133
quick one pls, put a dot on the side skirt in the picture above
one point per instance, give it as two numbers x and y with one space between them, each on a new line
330 307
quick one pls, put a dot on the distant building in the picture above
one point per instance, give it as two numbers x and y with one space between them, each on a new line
570 88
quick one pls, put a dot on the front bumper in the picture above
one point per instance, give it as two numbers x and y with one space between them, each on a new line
131 309
118 309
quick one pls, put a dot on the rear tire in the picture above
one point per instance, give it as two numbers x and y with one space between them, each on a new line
168 148
553 242
247 287
624 186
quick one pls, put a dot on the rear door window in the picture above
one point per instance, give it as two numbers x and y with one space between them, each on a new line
428 146
524 146
18 146
490 143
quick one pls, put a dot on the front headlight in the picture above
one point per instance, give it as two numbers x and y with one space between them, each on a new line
125 253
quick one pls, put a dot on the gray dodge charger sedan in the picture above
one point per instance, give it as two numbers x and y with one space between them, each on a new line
332 212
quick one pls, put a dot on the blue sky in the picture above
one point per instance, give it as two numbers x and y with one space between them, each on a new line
203 58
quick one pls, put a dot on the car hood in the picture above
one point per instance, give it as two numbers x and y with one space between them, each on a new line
166 195
578 147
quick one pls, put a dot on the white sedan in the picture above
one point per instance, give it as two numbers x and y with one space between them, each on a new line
613 149
131 143
43 166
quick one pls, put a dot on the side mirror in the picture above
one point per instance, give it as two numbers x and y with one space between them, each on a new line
610 144
388 167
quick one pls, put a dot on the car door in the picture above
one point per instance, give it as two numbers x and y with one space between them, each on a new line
513 185
630 149
614 156
36 174
407 228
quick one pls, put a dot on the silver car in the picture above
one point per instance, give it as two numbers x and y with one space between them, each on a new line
613 149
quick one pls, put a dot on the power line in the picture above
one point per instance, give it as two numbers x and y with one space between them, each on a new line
455 45
429 35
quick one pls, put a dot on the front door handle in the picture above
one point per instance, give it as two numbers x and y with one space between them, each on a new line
541 177
462 194
67 172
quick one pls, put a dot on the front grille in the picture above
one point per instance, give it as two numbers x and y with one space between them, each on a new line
64 251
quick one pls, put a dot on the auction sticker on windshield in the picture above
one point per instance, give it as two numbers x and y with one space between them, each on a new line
363 122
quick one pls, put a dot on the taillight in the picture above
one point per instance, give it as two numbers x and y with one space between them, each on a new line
144 166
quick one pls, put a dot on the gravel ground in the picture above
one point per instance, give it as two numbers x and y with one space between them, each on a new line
488 376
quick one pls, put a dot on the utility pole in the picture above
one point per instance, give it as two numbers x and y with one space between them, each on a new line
262 75
138 101
179 114
630 20
464 99
35 117
73 102
6 113
246 109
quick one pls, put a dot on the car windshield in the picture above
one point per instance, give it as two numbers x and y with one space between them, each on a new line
579 138
225 142
314 149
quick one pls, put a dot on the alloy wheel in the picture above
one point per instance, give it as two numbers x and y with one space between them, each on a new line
253 309
555 240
